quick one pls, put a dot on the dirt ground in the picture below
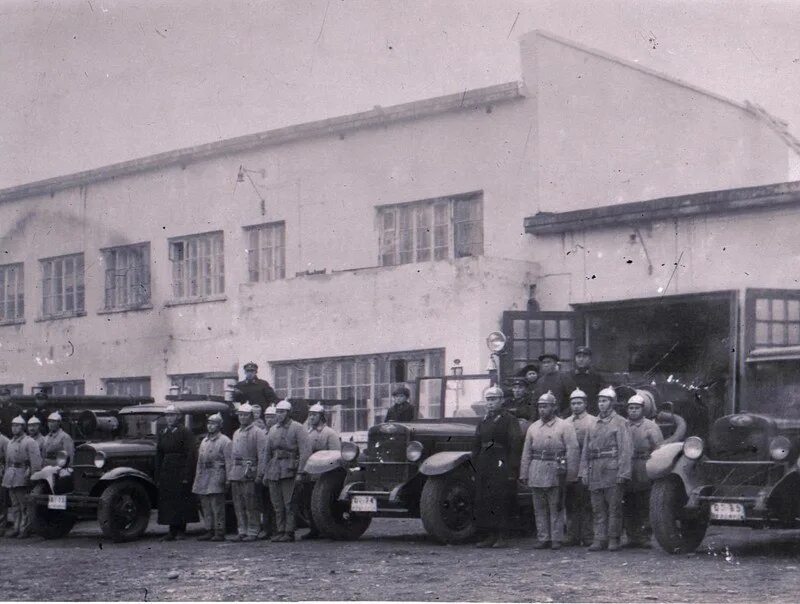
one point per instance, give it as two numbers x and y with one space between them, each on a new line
396 560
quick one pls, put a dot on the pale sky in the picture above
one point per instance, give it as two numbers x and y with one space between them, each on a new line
85 83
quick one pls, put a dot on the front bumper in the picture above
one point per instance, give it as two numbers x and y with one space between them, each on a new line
74 502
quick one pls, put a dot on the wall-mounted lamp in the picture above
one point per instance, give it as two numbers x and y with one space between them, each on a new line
457 369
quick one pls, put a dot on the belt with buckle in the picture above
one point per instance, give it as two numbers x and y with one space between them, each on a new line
548 455
602 453
14 464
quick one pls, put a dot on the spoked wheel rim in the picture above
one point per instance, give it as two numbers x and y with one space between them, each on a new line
125 511
457 507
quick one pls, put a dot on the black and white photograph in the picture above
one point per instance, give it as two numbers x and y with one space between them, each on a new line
406 301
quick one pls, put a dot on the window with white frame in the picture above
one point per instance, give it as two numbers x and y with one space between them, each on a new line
198 266
65 388
266 252
136 386
432 229
201 383
127 276
12 293
358 387
63 293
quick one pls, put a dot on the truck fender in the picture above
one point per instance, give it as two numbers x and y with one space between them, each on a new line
444 462
48 474
322 462
124 472
662 460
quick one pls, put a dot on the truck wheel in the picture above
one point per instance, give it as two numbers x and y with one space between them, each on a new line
331 516
124 511
446 507
50 524
675 532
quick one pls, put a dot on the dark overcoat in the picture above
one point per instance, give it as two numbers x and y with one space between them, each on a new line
401 412
176 460
256 392
496 452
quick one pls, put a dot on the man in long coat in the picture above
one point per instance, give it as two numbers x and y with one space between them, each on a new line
213 465
247 452
605 468
175 466
287 451
253 389
496 450
56 440
646 437
550 460
551 379
23 458
586 378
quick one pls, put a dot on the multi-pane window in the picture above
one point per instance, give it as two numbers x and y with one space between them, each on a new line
12 293
63 292
14 389
433 229
777 320
266 252
360 385
198 266
532 335
201 383
65 388
138 386
127 276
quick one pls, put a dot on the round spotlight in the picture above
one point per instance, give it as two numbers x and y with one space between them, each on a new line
693 447
496 341
414 451
350 451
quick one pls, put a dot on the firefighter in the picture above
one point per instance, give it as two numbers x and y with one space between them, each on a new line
605 468
288 448
578 502
56 440
586 378
269 417
8 411
253 389
268 511
551 379
322 438
646 437
550 460
401 410
496 450
23 458
213 465
247 453
520 403
34 431
175 465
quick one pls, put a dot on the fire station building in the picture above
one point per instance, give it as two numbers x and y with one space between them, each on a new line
591 201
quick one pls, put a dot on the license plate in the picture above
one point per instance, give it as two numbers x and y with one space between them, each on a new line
363 503
57 502
727 511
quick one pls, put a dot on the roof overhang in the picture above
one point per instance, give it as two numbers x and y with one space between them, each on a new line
725 201
774 353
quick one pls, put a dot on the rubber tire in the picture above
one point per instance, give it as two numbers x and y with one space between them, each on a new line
332 517
675 535
50 524
109 498
434 502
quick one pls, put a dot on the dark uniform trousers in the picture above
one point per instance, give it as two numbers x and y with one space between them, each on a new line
213 507
607 510
579 514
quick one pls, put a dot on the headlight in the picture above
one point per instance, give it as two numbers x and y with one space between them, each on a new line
693 447
779 448
350 451
414 451
496 341
99 459
61 459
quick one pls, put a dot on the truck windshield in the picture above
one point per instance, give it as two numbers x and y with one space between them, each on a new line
142 425
452 396
773 389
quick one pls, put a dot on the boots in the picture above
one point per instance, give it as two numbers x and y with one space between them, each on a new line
207 536
598 546
218 537
613 544
488 541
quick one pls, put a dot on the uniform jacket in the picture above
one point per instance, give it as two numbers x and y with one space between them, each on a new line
260 424
591 383
523 408
213 464
257 392
560 384
247 454
607 452
581 425
323 438
22 459
550 454
39 441
646 437
402 412
288 448
55 442
175 465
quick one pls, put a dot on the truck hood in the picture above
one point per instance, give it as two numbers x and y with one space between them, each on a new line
429 428
114 448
